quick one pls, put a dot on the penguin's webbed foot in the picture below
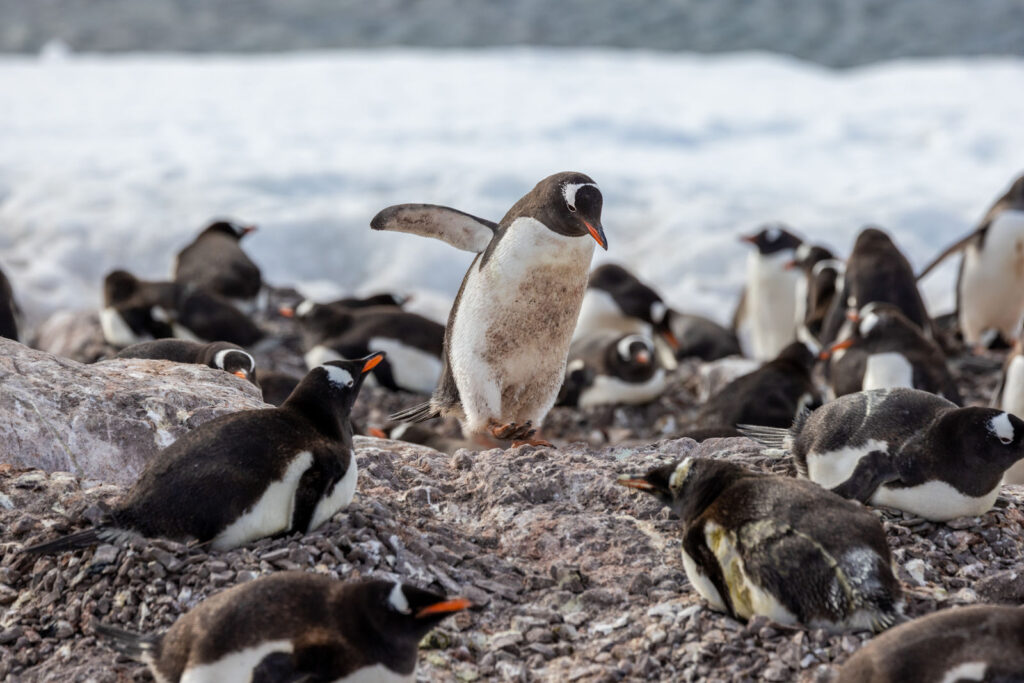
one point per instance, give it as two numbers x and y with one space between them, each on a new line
511 431
533 442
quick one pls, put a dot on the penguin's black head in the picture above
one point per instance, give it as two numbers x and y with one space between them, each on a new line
232 229
878 320
403 614
689 486
872 239
237 362
320 321
569 204
635 349
635 299
798 354
664 482
346 376
988 436
118 286
807 256
773 239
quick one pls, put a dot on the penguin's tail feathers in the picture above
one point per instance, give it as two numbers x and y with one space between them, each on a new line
774 439
134 645
81 539
417 413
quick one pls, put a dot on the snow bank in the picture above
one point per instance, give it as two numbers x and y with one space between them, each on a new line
118 161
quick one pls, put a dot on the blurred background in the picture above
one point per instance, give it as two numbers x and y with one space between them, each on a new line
127 124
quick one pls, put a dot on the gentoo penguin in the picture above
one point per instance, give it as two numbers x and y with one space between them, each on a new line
821 276
511 324
249 474
373 301
884 351
977 643
611 368
204 316
990 283
904 448
703 338
215 262
876 271
773 395
617 300
767 308
294 626
218 355
1010 398
9 311
414 344
763 544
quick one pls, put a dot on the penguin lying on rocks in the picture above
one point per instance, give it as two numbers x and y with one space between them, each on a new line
978 643
246 475
218 355
216 263
903 448
294 626
611 368
762 544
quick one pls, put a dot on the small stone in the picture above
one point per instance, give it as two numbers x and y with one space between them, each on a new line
10 634
506 640
104 554
63 630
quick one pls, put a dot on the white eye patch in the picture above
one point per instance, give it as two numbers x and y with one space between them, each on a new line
623 346
218 360
1001 426
868 323
304 308
679 476
338 376
569 191
658 311
398 600
772 234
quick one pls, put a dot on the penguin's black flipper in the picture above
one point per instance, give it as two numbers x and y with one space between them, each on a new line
279 667
873 470
772 438
128 643
950 250
81 539
457 228
418 413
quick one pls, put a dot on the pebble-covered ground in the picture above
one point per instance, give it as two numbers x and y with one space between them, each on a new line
575 578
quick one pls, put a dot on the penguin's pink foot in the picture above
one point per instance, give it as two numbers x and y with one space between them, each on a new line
533 442
511 431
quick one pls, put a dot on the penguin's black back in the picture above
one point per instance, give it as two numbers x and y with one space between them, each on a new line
213 317
177 350
216 262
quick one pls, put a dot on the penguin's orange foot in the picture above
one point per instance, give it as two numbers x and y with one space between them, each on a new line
511 431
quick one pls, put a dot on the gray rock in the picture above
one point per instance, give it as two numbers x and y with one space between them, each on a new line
105 420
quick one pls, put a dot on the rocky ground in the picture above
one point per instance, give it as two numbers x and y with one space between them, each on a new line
574 577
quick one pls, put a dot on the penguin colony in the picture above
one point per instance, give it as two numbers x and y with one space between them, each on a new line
853 387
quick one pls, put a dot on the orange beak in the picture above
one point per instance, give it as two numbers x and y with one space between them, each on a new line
671 339
446 607
247 229
287 311
749 239
827 353
377 433
373 362
241 373
634 483
643 358
598 234
789 265
853 316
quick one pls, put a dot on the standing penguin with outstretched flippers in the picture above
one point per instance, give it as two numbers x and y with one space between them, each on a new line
509 330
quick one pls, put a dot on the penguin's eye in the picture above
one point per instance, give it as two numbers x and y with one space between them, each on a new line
1005 439
572 209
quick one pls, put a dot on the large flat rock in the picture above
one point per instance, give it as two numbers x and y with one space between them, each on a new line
104 421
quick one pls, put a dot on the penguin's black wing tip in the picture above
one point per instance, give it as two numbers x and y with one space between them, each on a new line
81 539
772 438
417 413
128 643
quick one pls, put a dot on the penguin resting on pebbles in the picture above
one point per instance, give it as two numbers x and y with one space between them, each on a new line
218 355
903 448
294 626
509 330
246 475
763 544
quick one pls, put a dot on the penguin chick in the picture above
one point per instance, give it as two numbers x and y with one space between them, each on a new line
218 355
876 271
885 351
990 282
767 308
762 544
617 300
611 368
294 626
247 475
215 262
978 643
773 395
510 327
904 448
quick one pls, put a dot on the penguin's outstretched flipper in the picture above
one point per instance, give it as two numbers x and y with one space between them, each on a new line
459 229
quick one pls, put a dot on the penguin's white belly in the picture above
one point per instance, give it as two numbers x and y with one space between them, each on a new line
935 500
992 281
968 671
378 673
702 584
412 369
511 331
608 390
600 313
237 666
1013 402
339 497
771 304
887 371
272 513
834 467
116 331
